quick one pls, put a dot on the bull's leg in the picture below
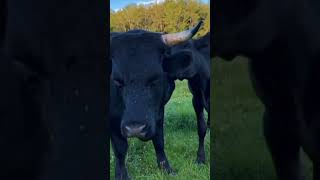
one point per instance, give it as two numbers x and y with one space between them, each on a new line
309 103
316 171
120 148
314 152
198 107
282 139
311 138
158 143
208 120
315 157
208 107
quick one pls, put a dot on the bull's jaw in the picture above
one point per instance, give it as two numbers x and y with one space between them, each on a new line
142 138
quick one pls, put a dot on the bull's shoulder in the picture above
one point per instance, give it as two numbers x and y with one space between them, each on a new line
137 31
115 33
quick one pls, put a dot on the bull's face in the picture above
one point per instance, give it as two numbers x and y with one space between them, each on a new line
142 72
240 27
138 76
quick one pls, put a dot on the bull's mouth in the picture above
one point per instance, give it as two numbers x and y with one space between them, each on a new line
141 135
145 136
142 138
142 131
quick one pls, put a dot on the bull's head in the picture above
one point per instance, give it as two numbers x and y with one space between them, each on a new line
143 73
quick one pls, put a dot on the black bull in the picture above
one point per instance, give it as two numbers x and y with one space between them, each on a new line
144 67
282 41
199 84
52 110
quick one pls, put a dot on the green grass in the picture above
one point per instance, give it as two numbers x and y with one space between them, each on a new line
181 143
238 148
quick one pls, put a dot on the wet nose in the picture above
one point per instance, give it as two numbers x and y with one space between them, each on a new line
135 130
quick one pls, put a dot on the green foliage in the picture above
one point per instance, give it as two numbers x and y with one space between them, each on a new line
170 16
181 144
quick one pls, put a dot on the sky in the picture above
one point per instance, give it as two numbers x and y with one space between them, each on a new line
118 4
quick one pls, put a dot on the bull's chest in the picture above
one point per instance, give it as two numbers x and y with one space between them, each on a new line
274 81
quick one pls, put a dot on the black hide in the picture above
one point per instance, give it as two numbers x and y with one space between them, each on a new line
53 106
282 41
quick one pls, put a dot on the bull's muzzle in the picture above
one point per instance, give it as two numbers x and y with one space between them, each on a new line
137 130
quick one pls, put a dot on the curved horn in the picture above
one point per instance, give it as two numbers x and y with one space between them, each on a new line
176 38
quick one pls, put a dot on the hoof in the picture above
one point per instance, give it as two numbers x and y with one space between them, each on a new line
173 173
200 161
170 172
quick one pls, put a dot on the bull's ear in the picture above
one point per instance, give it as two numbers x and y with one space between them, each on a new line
180 65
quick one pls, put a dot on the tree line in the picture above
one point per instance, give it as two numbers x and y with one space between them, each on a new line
169 16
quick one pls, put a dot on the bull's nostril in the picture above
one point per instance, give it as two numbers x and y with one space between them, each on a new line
128 128
142 127
135 130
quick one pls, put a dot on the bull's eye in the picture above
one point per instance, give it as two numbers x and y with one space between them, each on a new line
118 83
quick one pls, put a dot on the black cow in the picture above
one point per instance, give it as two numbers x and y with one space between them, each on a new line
52 114
282 41
141 83
199 84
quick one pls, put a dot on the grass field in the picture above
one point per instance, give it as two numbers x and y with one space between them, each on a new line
238 149
181 143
